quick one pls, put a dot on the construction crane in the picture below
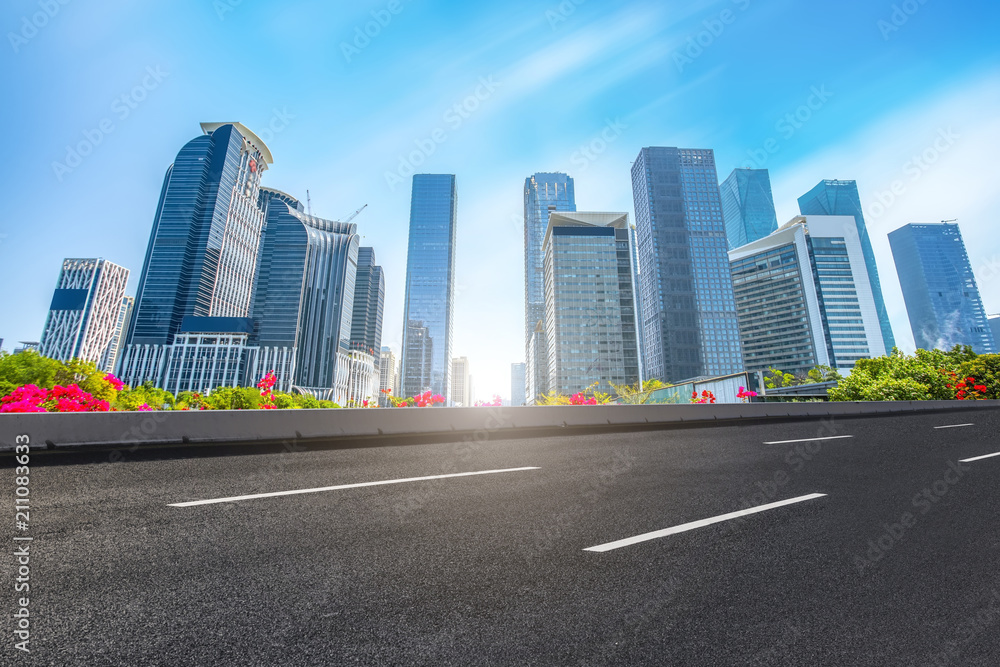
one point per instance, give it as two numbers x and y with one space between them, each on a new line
309 203
947 221
355 214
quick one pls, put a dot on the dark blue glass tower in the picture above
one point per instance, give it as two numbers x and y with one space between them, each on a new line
832 197
748 206
369 301
939 288
430 286
689 319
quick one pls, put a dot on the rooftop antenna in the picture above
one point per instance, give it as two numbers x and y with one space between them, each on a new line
309 203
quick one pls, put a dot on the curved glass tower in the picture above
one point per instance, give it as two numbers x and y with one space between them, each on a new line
748 206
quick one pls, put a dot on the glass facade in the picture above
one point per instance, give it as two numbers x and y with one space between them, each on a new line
689 326
430 285
747 206
939 288
544 193
832 197
369 302
517 384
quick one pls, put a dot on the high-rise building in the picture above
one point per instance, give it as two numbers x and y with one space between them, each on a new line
747 206
689 322
85 312
544 193
430 285
369 302
192 307
304 305
121 329
994 321
388 375
833 197
461 382
590 325
939 288
804 298
517 396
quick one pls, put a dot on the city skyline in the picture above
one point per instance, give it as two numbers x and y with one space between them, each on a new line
914 131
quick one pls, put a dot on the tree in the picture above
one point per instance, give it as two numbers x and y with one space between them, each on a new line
29 367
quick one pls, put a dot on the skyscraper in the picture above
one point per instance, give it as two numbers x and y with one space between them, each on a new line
388 375
191 321
543 194
461 382
689 318
994 321
517 384
121 329
430 285
832 197
369 302
304 304
590 326
747 206
85 312
939 288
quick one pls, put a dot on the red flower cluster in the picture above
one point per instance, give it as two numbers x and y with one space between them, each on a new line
579 398
745 395
58 399
967 389
706 397
424 400
266 386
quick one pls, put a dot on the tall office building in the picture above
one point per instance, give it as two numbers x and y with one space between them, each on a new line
388 375
543 194
747 206
804 298
517 396
304 305
461 382
369 302
85 312
689 321
939 288
994 321
590 321
192 308
430 286
121 329
833 197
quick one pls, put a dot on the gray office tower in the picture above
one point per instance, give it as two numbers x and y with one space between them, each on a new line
430 286
832 197
748 206
369 301
689 321
192 306
939 288
517 384
544 193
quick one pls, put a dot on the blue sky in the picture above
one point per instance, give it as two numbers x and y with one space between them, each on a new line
573 86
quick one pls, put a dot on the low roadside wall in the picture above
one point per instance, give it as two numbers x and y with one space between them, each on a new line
125 430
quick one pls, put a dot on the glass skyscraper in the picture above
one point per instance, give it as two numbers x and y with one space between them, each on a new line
747 206
544 193
689 321
369 301
939 288
832 197
199 271
430 285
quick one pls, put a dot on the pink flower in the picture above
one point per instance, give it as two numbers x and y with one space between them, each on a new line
144 408
114 382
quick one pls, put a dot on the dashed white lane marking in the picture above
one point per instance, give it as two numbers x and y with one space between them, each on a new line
233 499
954 426
788 442
979 458
700 524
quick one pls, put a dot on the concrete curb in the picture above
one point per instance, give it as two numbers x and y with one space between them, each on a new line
130 430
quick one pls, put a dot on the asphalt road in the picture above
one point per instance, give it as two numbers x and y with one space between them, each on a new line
897 563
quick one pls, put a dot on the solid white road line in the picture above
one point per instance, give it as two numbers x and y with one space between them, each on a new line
233 499
700 524
788 442
979 458
954 426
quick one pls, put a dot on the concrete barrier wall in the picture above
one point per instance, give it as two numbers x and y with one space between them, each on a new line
131 429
